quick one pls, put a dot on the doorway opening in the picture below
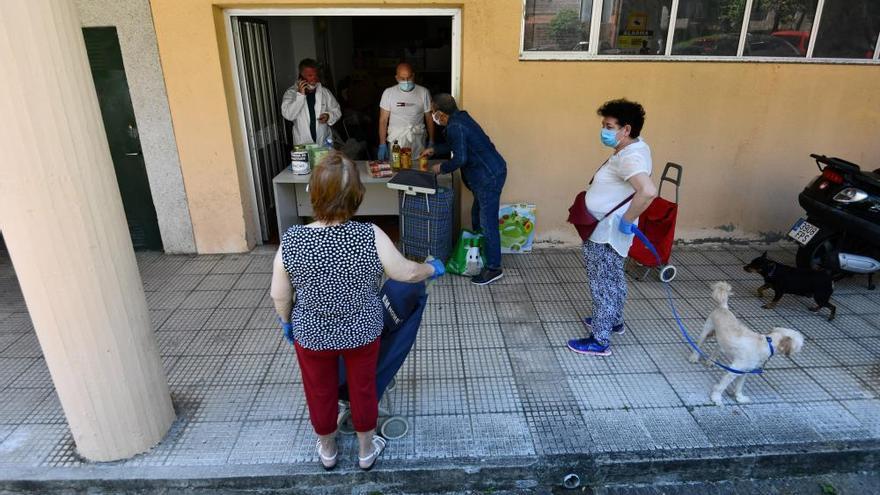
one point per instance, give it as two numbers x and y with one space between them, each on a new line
357 51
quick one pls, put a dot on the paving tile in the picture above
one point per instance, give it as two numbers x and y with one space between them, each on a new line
535 360
528 335
440 314
174 342
492 395
777 424
246 369
552 292
254 281
274 442
847 351
243 298
727 426
559 431
630 359
441 294
841 383
232 263
443 436
203 299
258 341
443 396
187 319
541 393
527 261
571 275
574 364
863 327
597 392
12 368
510 293
260 264
516 312
869 375
229 319
34 376
867 412
197 370
617 431
205 444
29 445
212 343
577 292
859 303
181 282
198 266
559 333
795 385
482 336
832 421
439 364
501 435
17 404
695 387
47 412
539 277
263 318
166 300
486 363
284 367
672 428
474 314
25 347
672 358
555 311
158 317
647 390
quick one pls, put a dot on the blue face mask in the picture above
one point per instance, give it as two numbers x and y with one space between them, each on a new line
406 85
609 137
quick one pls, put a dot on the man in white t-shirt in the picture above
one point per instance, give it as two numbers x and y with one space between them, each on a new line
620 191
405 114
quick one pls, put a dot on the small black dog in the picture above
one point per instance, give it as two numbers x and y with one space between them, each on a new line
787 280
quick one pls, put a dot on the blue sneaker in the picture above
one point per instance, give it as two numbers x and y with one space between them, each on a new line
616 329
589 346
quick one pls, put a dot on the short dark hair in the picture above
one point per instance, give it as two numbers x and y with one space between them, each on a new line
307 63
445 103
335 188
626 112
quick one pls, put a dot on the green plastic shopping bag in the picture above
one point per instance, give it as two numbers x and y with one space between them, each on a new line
467 257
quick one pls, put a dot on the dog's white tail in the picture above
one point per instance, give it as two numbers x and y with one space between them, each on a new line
721 293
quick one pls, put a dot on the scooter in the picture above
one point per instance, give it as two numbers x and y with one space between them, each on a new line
841 230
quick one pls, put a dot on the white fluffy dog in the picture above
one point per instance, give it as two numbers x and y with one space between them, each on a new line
744 349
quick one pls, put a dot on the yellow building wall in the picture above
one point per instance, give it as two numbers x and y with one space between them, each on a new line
743 131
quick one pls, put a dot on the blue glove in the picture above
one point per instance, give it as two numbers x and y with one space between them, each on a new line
383 152
626 227
288 330
439 269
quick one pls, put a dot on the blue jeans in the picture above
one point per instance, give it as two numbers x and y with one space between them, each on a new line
484 217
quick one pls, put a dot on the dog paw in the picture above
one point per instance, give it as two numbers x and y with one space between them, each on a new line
694 358
742 399
716 399
769 306
813 309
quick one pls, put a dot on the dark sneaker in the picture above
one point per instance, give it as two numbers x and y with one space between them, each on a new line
487 276
617 329
589 346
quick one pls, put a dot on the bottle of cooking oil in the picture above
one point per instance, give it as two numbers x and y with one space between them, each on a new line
395 155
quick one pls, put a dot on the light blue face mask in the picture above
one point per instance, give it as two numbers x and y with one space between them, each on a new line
609 137
406 85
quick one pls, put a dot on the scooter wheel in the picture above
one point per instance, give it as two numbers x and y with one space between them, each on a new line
394 427
667 273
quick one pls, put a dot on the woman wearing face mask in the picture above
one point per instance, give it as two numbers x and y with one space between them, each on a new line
622 182
405 114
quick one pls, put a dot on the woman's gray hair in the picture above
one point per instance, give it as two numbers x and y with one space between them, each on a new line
445 103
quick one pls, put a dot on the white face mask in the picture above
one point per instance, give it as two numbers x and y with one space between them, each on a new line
435 119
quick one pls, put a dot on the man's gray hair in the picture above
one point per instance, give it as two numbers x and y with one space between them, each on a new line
445 103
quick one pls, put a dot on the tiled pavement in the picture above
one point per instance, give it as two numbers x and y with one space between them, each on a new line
489 377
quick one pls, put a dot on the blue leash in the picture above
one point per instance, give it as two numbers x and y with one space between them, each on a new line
687 337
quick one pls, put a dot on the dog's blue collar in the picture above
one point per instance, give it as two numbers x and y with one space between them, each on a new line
770 345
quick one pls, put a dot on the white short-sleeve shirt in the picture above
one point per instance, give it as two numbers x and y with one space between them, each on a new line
610 187
407 107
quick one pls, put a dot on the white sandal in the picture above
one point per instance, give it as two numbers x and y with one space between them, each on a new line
378 446
327 462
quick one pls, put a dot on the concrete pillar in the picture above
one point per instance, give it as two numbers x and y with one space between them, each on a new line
62 219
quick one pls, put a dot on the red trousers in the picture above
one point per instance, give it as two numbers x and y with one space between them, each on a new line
320 375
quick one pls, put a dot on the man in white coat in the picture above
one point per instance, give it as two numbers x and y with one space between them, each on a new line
310 106
405 114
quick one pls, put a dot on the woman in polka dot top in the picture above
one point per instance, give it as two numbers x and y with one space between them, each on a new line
325 286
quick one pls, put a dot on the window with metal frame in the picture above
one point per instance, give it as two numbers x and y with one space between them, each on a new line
824 31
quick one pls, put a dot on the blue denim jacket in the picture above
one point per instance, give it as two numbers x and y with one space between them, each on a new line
482 167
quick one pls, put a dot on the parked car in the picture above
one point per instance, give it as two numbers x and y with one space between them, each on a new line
757 45
798 39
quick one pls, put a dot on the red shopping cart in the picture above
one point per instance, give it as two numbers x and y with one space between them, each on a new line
658 225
